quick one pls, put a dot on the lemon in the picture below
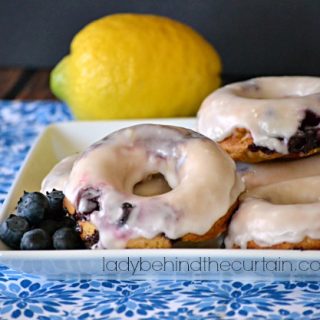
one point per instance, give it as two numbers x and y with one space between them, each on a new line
136 66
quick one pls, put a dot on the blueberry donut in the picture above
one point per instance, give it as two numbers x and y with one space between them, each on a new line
264 118
281 215
256 175
193 203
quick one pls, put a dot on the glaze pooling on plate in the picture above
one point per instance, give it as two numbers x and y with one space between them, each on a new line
270 108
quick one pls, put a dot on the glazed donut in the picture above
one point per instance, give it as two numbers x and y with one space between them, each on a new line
282 215
262 174
264 118
204 188
58 176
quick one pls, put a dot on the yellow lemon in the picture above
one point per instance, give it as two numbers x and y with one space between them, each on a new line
136 66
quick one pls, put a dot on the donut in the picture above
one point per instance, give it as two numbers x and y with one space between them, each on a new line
282 215
58 175
201 178
264 118
256 175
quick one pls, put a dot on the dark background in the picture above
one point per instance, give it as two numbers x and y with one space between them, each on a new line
253 37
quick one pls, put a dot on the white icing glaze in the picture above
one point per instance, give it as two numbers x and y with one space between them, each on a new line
202 177
268 224
269 107
255 175
59 174
295 191
281 204
57 177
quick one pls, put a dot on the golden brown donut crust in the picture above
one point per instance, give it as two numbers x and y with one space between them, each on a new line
87 231
237 146
306 244
158 242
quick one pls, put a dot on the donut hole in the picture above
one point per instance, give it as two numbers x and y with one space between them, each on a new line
152 185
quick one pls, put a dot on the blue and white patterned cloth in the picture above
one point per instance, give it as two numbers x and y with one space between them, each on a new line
24 296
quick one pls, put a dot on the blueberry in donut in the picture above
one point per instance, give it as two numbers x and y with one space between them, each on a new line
264 118
195 199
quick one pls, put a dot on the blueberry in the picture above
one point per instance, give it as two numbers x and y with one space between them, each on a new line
67 238
68 222
311 119
298 142
33 206
36 239
50 226
126 210
12 230
55 198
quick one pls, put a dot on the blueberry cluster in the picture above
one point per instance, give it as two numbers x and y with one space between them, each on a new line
40 223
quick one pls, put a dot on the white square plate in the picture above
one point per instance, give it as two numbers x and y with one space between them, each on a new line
63 139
